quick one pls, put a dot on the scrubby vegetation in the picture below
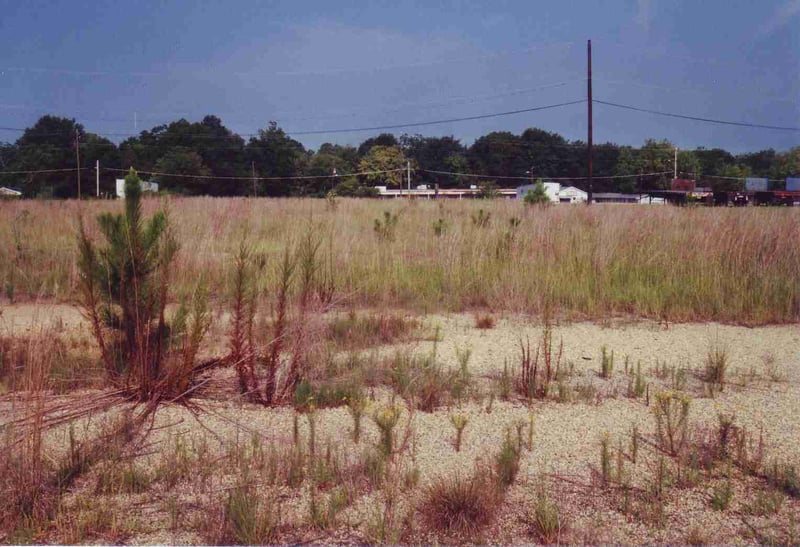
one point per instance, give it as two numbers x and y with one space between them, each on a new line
307 416
666 263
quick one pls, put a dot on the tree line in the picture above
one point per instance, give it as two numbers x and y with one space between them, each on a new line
205 157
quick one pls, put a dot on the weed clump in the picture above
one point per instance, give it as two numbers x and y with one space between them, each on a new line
547 523
460 504
248 519
606 363
715 369
386 228
484 321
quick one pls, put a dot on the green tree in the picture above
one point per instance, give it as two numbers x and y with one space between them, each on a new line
124 293
538 195
389 161
436 154
275 154
189 170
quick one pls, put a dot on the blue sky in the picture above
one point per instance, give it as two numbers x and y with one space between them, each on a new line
120 67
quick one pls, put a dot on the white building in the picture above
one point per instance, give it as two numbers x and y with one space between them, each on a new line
571 194
6 192
147 186
550 188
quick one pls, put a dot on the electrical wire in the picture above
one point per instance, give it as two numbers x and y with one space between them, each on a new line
475 175
352 112
38 171
354 129
696 118
299 177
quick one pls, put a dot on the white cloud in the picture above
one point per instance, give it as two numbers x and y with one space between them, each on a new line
644 14
779 18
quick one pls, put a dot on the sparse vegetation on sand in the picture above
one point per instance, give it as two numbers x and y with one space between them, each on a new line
258 381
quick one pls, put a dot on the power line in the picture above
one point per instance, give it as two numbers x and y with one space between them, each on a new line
355 111
38 171
696 118
702 176
250 178
435 122
475 175
352 129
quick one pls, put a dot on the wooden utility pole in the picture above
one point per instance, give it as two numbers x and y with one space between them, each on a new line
253 169
589 106
97 177
78 158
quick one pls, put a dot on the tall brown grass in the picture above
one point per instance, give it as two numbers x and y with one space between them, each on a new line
732 265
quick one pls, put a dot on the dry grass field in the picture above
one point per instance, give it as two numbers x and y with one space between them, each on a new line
393 372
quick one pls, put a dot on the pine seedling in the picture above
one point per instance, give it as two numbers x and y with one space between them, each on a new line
459 421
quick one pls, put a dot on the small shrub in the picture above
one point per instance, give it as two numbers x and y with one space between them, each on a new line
766 503
605 457
784 477
773 370
439 227
547 522
460 504
359 331
606 363
671 412
507 462
634 443
726 430
356 405
697 535
481 219
484 321
121 479
385 229
636 383
323 510
459 421
504 383
716 367
247 519
386 419
722 495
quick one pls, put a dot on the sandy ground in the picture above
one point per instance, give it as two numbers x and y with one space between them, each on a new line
565 451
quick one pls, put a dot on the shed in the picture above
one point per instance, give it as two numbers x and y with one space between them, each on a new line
8 192
147 186
572 194
550 188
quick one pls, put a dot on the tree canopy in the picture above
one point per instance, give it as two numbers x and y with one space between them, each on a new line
207 158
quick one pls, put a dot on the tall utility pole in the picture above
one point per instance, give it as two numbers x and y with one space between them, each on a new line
97 176
78 159
408 176
675 164
253 169
589 105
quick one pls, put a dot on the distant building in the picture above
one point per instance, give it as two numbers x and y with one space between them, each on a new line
755 184
685 185
614 197
8 192
571 194
550 188
147 186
